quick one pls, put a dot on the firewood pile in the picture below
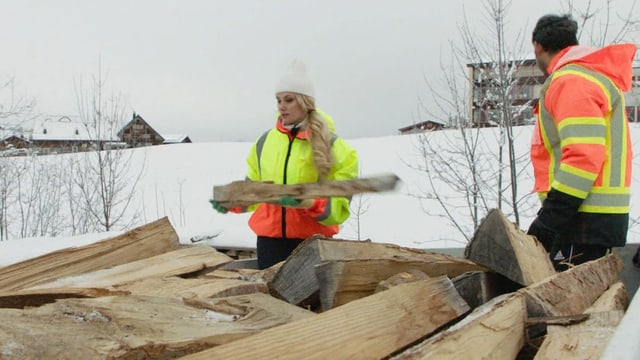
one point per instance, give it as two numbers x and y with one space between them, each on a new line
142 295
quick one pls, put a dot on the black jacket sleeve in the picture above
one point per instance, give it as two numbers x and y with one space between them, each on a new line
553 217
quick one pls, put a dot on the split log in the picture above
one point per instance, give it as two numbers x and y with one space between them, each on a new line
237 274
475 287
494 330
177 262
342 281
615 298
201 288
245 193
145 274
136 327
148 240
573 291
478 287
33 298
404 277
368 328
296 280
587 339
503 248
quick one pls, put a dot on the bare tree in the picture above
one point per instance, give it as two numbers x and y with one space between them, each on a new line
14 110
359 206
485 169
79 217
40 193
603 22
12 104
8 181
105 179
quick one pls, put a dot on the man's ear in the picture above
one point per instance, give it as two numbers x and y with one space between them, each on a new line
538 49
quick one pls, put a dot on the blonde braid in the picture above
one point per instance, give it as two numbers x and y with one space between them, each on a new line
320 137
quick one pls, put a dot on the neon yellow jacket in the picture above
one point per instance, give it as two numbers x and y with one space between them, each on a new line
282 158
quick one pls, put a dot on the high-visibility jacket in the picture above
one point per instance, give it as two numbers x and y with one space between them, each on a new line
581 144
284 158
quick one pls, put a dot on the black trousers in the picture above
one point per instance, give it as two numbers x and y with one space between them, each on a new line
273 250
575 254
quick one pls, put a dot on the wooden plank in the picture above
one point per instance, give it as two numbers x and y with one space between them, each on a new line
573 291
494 330
342 281
138 327
182 261
296 280
148 240
245 193
369 328
500 246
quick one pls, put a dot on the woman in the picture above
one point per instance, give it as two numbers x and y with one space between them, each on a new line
301 148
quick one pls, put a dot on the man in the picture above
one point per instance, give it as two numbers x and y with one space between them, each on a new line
581 148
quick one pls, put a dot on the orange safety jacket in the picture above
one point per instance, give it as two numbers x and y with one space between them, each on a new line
282 158
581 144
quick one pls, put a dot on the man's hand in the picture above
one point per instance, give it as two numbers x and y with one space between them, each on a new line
553 218
543 233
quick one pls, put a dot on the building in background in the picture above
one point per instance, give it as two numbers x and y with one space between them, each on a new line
632 98
176 139
429 125
65 135
138 133
519 92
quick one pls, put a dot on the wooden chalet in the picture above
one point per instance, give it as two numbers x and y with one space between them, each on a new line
11 142
138 133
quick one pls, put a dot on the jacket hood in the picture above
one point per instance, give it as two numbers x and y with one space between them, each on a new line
614 61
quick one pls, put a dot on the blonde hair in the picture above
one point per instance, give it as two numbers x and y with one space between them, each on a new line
320 136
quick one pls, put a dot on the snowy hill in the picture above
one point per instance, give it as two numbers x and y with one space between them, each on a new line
178 180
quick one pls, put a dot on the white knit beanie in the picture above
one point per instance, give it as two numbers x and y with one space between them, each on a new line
296 80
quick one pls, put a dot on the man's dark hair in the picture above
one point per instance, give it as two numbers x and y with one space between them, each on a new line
554 32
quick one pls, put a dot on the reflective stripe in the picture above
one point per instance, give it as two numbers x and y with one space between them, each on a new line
583 131
573 181
613 195
327 211
259 146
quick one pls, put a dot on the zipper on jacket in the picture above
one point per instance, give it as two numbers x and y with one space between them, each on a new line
292 138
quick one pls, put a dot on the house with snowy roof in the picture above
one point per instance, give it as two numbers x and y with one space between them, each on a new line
138 132
176 139
65 135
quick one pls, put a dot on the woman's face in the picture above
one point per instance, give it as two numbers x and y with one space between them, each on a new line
290 110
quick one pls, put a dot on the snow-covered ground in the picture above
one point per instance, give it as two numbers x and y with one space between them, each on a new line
178 182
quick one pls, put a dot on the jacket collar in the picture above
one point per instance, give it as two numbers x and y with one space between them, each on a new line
303 134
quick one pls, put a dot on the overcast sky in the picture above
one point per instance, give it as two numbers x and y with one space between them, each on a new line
207 68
